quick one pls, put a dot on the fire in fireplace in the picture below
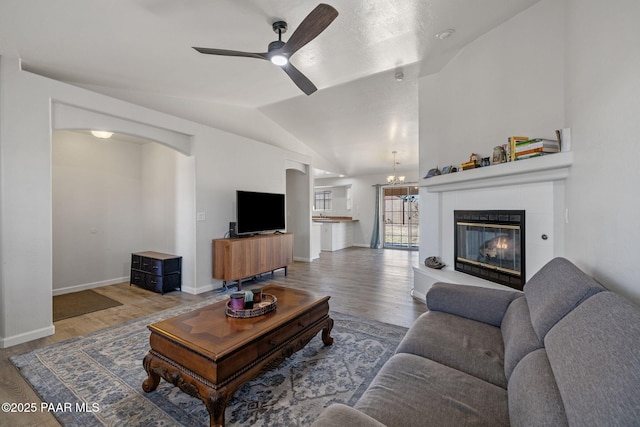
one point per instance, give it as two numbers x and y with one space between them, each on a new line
490 245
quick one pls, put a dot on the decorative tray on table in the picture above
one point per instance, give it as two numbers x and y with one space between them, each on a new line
267 304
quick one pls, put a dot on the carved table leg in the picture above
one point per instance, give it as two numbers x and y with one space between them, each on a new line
216 403
327 339
153 379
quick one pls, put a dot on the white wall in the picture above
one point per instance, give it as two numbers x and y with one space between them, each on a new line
159 195
603 110
508 82
97 210
568 63
298 199
249 122
338 202
226 163
110 198
215 165
25 209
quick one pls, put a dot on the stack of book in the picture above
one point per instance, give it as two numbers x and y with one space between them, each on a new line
513 140
535 147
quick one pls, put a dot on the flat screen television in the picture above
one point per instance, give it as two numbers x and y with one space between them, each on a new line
259 212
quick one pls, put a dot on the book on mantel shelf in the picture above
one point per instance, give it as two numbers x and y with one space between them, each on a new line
513 140
536 147
537 150
530 144
530 155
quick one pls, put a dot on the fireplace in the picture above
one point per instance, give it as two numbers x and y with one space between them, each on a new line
490 245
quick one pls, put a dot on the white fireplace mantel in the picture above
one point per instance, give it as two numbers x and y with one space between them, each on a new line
534 185
540 169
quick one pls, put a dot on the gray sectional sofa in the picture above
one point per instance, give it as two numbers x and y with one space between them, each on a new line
564 352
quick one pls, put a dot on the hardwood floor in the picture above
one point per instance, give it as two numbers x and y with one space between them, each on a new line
371 283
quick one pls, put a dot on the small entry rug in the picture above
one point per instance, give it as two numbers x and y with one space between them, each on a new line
79 303
96 379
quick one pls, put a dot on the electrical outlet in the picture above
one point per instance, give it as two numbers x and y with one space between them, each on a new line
201 216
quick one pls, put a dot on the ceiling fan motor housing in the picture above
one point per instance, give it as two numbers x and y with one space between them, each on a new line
279 27
275 45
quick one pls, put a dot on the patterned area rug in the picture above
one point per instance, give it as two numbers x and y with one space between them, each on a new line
96 379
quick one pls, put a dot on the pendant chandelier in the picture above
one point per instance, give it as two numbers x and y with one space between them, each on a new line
394 179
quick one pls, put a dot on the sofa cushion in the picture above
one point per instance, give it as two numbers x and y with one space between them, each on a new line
534 398
343 415
411 391
554 291
518 335
472 347
485 305
595 357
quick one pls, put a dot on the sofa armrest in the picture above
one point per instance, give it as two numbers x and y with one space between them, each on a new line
343 415
485 305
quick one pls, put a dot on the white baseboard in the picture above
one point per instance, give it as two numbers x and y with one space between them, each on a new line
186 289
303 259
76 288
199 290
27 336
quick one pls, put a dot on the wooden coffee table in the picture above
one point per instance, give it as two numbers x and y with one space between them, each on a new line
209 355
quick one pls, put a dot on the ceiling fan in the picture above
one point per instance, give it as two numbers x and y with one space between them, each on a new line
279 52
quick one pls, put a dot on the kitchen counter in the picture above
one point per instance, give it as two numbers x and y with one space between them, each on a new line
337 232
333 219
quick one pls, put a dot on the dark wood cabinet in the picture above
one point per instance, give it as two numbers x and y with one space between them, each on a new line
156 271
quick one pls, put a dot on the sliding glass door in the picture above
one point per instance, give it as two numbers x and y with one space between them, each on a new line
401 217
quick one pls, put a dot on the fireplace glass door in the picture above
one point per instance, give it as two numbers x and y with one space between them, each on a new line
490 244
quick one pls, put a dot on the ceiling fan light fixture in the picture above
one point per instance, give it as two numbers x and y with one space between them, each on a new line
279 60
275 55
101 134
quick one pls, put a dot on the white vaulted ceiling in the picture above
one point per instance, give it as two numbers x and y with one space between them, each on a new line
140 51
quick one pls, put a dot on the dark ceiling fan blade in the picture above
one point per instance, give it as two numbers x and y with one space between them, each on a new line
299 79
224 52
310 27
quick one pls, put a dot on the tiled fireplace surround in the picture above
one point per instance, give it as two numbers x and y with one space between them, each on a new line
534 185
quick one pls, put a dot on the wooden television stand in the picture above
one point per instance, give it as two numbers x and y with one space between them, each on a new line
246 257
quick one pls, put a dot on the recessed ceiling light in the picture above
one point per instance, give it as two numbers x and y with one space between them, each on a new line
444 34
101 134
